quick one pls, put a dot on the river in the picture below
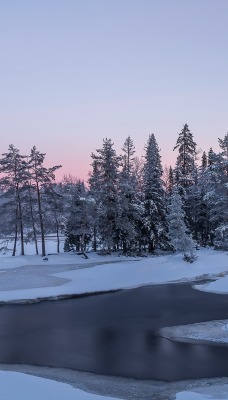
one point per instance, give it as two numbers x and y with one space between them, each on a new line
115 333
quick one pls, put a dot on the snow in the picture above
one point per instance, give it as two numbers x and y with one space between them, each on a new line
17 386
213 331
77 275
219 286
212 393
20 386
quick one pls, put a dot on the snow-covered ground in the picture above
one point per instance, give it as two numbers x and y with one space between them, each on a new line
20 386
67 273
213 331
219 286
17 386
211 393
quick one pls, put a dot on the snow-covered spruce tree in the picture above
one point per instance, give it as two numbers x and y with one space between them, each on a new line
41 178
13 168
180 240
94 196
200 210
209 181
107 165
168 179
128 204
128 155
54 210
154 218
204 161
223 144
78 229
185 164
217 195
185 174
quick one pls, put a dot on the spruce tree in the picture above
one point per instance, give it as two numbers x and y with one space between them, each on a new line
204 161
13 168
106 163
128 208
154 224
170 181
185 164
78 229
180 240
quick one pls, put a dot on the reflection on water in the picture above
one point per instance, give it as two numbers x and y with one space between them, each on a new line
146 356
110 351
114 334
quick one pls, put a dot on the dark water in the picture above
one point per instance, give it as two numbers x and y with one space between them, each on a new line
115 333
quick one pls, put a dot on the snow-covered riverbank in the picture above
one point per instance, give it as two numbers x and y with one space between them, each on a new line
30 278
209 332
41 383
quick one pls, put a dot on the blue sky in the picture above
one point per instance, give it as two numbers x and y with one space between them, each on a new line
75 72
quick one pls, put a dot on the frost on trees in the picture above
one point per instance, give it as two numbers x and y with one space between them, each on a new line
154 221
185 165
177 230
105 175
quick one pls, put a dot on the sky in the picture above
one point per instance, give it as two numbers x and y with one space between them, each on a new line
74 72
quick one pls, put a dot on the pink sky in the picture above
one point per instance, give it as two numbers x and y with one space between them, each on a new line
75 72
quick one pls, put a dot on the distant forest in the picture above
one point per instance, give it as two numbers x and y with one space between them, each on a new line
129 204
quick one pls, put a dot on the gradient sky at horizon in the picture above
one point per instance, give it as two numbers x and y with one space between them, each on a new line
74 72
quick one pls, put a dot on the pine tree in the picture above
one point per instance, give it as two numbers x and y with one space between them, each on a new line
202 226
155 224
13 167
204 161
220 206
179 238
128 204
78 232
41 178
211 157
223 144
185 165
94 196
170 181
54 210
128 157
106 164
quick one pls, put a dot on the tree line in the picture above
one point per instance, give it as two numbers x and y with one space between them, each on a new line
129 204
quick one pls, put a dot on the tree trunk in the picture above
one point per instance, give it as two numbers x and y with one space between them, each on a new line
21 226
151 246
95 239
124 247
33 222
16 232
57 234
41 221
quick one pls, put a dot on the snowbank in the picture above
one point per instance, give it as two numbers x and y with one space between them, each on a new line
17 386
211 393
20 386
213 331
219 286
77 275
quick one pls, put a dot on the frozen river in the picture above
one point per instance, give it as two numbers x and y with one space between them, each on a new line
116 333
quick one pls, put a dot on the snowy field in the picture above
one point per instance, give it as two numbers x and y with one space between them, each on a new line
29 278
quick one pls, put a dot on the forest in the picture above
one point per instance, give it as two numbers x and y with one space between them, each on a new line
129 204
